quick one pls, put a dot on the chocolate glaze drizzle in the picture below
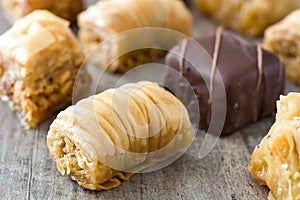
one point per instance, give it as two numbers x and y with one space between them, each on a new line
257 99
215 60
259 67
182 53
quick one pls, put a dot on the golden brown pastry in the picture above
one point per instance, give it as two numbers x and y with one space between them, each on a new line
39 61
68 9
111 17
283 39
275 161
250 17
105 138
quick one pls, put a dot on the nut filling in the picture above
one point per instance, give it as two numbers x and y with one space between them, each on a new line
72 160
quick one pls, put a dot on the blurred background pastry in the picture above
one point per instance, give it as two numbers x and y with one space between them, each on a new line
283 39
68 9
109 18
249 17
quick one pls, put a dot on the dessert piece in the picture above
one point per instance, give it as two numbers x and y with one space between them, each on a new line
110 18
275 161
249 17
39 61
252 78
68 9
283 39
107 137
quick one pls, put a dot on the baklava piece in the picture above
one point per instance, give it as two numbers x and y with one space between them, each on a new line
250 17
110 18
107 137
39 61
68 9
283 39
275 161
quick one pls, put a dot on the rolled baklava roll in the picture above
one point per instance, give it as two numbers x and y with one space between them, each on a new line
107 137
250 17
109 18
39 62
68 9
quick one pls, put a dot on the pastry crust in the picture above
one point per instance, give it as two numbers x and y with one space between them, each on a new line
105 138
283 39
111 17
39 60
250 17
68 9
275 161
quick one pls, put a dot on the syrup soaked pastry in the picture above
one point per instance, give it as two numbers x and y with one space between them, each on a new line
253 78
283 39
107 137
39 61
68 9
250 17
108 18
275 161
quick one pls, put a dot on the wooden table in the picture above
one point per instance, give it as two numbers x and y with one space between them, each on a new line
27 170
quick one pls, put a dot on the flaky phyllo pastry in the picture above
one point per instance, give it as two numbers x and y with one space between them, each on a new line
275 161
111 17
250 17
107 137
39 61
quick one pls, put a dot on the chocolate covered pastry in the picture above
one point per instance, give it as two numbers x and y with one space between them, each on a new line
250 17
110 18
39 61
252 78
275 161
68 9
107 137
283 39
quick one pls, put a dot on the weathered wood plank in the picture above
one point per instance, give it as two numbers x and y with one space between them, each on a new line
16 147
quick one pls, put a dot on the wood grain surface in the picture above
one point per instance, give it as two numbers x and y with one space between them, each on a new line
27 170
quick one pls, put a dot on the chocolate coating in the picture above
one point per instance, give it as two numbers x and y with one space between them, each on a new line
253 78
